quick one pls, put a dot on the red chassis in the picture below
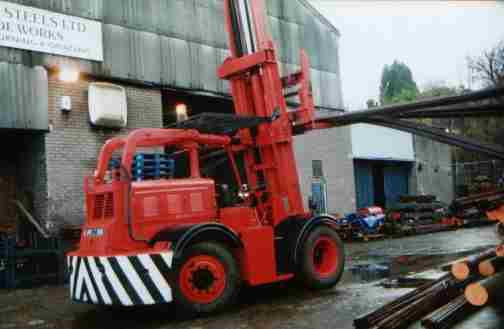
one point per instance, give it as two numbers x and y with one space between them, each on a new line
176 240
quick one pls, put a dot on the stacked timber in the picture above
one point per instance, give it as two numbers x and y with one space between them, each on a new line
473 282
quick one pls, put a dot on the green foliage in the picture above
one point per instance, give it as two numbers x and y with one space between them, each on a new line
440 90
371 103
397 84
405 96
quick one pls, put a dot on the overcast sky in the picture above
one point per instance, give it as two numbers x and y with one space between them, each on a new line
432 37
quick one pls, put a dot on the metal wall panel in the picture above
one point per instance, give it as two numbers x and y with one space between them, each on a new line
292 11
180 43
332 90
14 55
291 42
210 23
168 64
274 8
325 89
145 55
177 19
208 67
311 40
195 68
317 86
113 12
116 51
176 52
24 99
141 15
92 9
276 33
223 85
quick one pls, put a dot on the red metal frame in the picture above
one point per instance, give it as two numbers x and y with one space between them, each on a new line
132 214
258 90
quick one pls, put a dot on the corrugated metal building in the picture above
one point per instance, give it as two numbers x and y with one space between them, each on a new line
163 52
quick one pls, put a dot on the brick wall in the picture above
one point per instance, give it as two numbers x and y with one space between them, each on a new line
333 147
72 145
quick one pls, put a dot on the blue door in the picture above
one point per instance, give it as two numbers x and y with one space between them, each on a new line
364 183
396 176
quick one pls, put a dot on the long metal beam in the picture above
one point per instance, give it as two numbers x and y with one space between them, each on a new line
398 109
491 150
473 111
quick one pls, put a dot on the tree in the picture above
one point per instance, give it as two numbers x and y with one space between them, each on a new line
489 67
397 84
440 89
371 103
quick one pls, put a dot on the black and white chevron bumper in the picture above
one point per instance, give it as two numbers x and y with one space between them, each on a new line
121 280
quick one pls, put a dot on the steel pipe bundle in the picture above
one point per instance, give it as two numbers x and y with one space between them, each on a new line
449 315
413 306
483 292
474 282
463 270
491 267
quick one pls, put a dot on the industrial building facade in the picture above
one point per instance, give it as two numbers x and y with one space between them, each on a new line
162 53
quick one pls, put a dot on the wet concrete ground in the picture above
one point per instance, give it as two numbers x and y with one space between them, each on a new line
278 306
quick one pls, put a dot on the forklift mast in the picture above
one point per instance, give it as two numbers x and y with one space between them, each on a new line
258 91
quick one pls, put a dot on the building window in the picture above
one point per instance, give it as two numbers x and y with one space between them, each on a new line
317 168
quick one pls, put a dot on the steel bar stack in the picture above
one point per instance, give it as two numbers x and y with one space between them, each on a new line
473 282
449 315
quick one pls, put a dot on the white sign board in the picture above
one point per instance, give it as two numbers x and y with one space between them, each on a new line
378 143
48 32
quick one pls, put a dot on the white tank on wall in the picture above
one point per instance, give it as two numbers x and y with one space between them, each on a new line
107 105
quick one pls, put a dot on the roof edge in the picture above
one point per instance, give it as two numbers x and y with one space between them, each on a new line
319 15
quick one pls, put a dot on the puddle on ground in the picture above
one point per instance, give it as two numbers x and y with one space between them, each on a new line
378 267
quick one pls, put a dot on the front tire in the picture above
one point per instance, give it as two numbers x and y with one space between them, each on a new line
322 259
207 279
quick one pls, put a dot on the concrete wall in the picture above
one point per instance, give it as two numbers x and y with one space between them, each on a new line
72 145
333 147
432 173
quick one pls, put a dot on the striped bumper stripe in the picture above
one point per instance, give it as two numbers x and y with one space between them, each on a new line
121 280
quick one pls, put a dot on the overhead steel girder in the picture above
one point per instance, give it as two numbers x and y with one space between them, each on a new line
473 111
403 109
491 150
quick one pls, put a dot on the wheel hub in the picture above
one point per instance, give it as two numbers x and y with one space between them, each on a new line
325 257
203 279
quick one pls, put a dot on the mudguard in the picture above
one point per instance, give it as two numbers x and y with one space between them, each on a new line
310 225
290 236
183 236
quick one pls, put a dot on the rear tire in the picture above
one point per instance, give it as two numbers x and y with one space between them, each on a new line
322 259
207 279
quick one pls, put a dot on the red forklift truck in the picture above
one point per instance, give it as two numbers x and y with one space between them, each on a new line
180 239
